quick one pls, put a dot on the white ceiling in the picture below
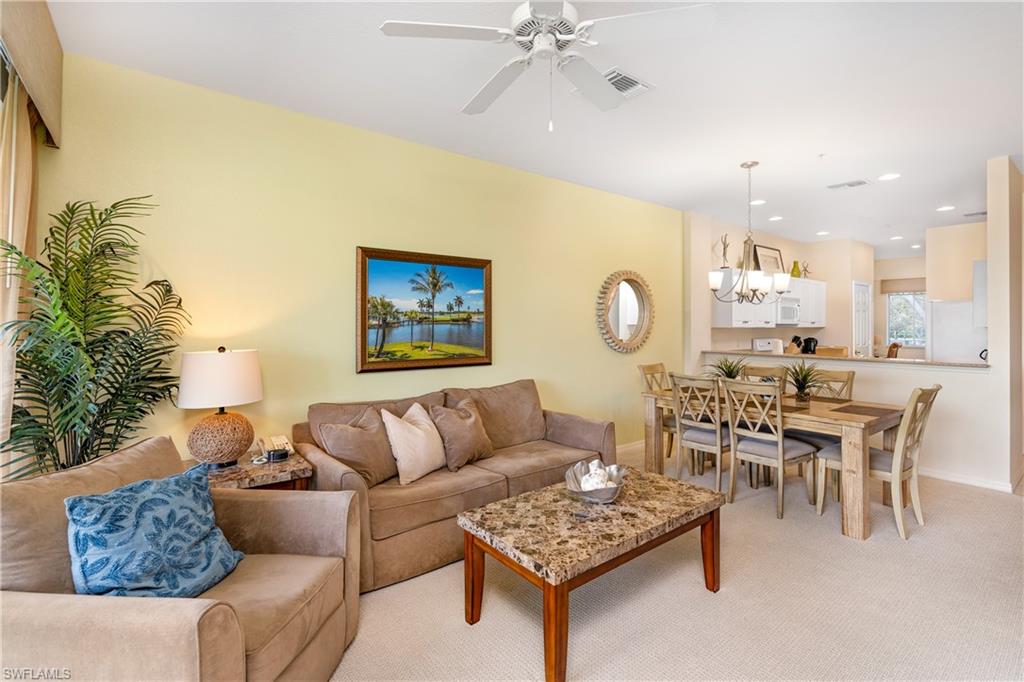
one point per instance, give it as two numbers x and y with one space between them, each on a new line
819 93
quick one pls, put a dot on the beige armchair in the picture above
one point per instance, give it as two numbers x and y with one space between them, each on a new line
287 611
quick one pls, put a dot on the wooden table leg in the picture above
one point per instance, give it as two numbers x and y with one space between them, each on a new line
889 443
556 631
709 551
653 416
856 499
474 577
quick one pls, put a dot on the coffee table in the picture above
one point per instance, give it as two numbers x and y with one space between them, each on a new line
558 542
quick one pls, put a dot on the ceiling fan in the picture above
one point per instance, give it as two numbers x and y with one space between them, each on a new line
543 30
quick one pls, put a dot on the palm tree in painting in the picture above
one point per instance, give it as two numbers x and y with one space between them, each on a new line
458 302
412 317
385 312
431 282
450 308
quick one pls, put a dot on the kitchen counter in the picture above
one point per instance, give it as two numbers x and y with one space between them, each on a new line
912 362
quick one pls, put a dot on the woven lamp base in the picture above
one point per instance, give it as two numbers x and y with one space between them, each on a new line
221 438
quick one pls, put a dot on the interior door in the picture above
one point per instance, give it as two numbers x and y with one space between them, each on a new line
862 320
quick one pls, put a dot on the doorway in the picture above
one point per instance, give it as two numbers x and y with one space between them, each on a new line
863 319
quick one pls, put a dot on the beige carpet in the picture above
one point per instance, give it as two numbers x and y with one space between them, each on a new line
798 601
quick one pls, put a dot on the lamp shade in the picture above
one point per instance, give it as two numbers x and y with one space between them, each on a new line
220 379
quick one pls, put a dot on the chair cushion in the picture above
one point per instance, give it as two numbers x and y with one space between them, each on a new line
152 538
880 460
463 433
791 448
818 440
511 413
706 436
281 600
34 553
415 443
441 494
533 465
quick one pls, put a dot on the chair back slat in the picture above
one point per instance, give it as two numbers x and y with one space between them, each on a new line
655 377
776 375
911 431
835 384
754 408
696 401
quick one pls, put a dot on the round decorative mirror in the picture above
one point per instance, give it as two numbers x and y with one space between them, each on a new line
625 311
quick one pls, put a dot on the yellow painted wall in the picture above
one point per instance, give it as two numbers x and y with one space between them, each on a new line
950 253
261 210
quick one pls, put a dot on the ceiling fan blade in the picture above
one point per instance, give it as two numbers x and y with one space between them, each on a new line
590 82
418 29
652 11
498 84
545 10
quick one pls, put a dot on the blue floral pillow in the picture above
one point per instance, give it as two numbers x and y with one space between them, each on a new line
152 538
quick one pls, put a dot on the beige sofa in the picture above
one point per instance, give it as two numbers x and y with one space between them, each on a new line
287 611
409 530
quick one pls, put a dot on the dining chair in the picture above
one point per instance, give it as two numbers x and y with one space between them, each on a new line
895 467
834 384
698 407
756 435
765 374
656 380
893 350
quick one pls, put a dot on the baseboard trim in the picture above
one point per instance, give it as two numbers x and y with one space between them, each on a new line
967 480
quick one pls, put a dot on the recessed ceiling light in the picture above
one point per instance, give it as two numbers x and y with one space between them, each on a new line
915 246
822 233
758 202
943 209
775 219
896 238
888 176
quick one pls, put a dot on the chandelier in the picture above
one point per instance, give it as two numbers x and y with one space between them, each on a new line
748 284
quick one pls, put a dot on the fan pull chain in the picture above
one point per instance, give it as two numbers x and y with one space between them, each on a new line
551 104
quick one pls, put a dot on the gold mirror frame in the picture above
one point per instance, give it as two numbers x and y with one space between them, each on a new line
646 313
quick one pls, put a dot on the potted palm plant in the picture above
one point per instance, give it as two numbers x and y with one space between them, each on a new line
805 379
92 351
726 368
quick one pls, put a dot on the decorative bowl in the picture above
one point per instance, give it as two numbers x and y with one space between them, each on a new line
576 473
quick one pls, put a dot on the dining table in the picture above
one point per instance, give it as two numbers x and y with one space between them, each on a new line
854 421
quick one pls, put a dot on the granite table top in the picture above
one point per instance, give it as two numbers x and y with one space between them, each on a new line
557 536
249 475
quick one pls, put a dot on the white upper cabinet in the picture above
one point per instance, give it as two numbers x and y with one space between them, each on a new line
740 315
809 297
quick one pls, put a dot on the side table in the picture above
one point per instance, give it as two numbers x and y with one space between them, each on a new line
291 474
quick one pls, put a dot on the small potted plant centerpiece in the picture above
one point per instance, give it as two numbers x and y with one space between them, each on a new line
726 368
805 378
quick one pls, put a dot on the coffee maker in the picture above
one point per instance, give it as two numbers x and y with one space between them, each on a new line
809 345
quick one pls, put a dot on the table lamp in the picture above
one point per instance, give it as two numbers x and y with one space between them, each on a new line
220 378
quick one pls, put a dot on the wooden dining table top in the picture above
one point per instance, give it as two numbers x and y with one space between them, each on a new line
824 414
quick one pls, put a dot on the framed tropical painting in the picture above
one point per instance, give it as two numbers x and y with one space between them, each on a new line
421 310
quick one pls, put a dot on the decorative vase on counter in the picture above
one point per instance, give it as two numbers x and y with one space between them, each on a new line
795 272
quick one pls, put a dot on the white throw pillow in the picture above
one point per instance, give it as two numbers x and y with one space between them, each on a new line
415 443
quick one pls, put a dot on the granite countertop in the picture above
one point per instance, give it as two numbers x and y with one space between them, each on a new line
558 537
912 362
249 475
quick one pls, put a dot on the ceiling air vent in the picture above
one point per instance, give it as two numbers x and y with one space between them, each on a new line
848 185
629 86
976 214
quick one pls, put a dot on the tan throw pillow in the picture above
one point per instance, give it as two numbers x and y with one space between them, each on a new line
462 432
415 443
362 445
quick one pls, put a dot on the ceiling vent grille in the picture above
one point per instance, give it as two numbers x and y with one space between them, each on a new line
848 185
629 86
976 214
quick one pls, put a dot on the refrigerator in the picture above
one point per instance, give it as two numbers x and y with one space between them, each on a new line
956 329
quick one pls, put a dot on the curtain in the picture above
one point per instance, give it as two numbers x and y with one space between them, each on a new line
17 183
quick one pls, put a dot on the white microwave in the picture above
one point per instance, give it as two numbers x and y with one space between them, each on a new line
789 311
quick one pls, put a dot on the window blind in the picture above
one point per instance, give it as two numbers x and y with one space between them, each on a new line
903 286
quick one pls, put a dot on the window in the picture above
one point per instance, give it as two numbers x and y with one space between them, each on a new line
905 319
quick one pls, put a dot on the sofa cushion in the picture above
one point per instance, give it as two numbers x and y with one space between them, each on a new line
34 525
348 413
396 508
533 465
281 601
362 445
152 538
463 433
511 413
415 443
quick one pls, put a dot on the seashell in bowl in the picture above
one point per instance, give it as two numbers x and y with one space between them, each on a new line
574 482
